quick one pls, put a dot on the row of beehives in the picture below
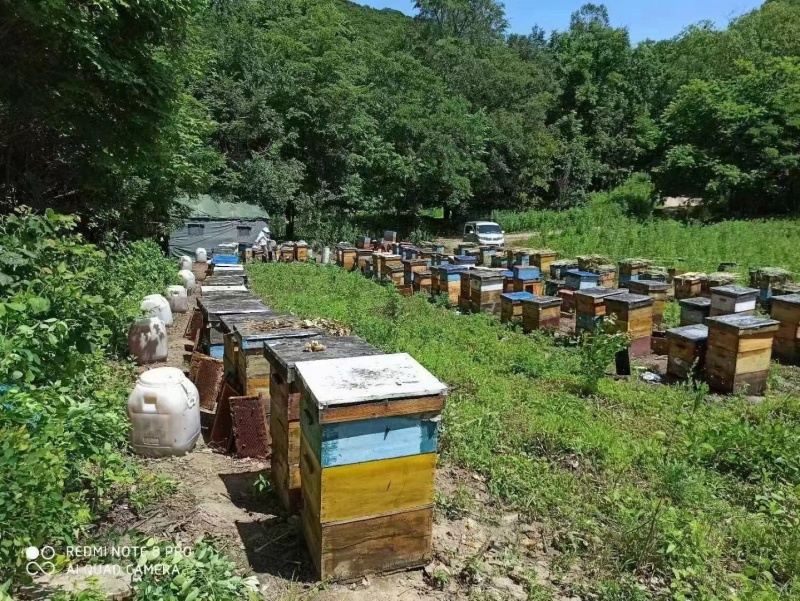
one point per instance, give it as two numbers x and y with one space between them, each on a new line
351 433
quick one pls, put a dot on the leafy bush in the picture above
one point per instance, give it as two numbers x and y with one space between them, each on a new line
636 196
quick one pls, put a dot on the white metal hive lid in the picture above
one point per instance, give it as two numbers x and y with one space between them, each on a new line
332 382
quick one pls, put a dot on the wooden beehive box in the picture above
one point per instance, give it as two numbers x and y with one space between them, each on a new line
412 266
422 282
608 275
580 280
786 310
541 313
487 254
286 253
634 317
499 261
463 260
226 280
528 279
511 305
252 370
631 270
395 275
228 271
301 251
687 351
284 390
688 285
695 310
222 336
559 269
220 290
715 280
364 261
486 286
369 435
543 259
591 262
551 287
348 258
590 307
567 297
450 281
508 280
727 300
213 307
655 290
390 261
464 291
766 279
739 352
522 258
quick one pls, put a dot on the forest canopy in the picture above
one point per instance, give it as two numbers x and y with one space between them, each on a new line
321 110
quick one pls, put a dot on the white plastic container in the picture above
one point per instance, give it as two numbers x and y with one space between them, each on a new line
178 299
156 305
185 262
164 410
147 340
188 279
200 255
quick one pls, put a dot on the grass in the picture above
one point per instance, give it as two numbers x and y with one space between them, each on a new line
658 491
601 228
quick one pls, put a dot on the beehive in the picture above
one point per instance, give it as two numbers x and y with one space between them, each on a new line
728 300
364 261
464 292
511 305
226 280
301 251
252 370
522 258
688 285
395 275
695 310
508 280
499 261
527 279
551 287
215 306
591 262
687 351
463 260
739 352
286 253
449 281
541 313
348 257
567 297
411 267
608 275
463 249
590 308
422 282
786 310
634 317
559 269
631 270
389 265
766 279
674 272
369 434
218 290
543 259
655 290
580 280
715 280
282 356
223 336
486 286
486 255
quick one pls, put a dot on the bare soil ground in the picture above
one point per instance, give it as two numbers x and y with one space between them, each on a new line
481 549
451 244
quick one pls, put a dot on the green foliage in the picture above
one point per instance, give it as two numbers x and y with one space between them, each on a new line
636 196
657 491
597 352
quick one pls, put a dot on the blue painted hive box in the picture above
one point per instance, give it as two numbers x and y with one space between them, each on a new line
464 260
526 273
225 260
581 280
369 429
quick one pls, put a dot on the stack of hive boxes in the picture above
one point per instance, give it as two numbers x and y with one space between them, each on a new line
767 279
687 351
688 285
486 286
369 432
543 259
541 313
422 281
590 307
284 391
730 300
695 310
786 310
527 279
301 251
364 261
346 257
448 281
716 280
511 305
655 290
412 267
631 270
739 352
634 317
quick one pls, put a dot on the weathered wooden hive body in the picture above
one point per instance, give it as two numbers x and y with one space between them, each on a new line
581 280
739 352
729 300
448 281
655 290
486 286
543 259
282 356
511 305
688 285
590 308
541 313
695 310
687 350
369 430
634 317
215 306
528 279
786 310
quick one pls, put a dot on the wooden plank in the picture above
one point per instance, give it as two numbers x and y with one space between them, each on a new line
378 409
376 439
720 360
354 549
311 478
375 487
744 343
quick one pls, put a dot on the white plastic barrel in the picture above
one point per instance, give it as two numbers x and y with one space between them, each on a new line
177 299
326 255
185 262
200 255
147 340
156 305
164 410
188 279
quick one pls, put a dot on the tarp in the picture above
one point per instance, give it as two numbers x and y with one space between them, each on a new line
205 206
209 234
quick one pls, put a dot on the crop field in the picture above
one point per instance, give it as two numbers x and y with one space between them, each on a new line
602 228
647 491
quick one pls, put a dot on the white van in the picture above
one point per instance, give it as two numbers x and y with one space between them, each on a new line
484 233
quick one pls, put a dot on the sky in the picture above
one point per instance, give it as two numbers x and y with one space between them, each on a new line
653 19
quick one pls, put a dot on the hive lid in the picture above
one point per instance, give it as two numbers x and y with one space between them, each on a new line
632 300
452 268
517 296
791 299
287 352
508 274
334 382
651 285
692 332
734 291
544 301
742 321
465 258
223 288
697 302
583 274
599 292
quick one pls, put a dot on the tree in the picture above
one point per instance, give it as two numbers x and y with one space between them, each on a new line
479 21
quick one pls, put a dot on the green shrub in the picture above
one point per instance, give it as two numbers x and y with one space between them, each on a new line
635 196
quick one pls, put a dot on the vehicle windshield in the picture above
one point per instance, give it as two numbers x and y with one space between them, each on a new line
489 229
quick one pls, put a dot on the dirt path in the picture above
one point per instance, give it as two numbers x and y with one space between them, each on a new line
479 548
519 239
